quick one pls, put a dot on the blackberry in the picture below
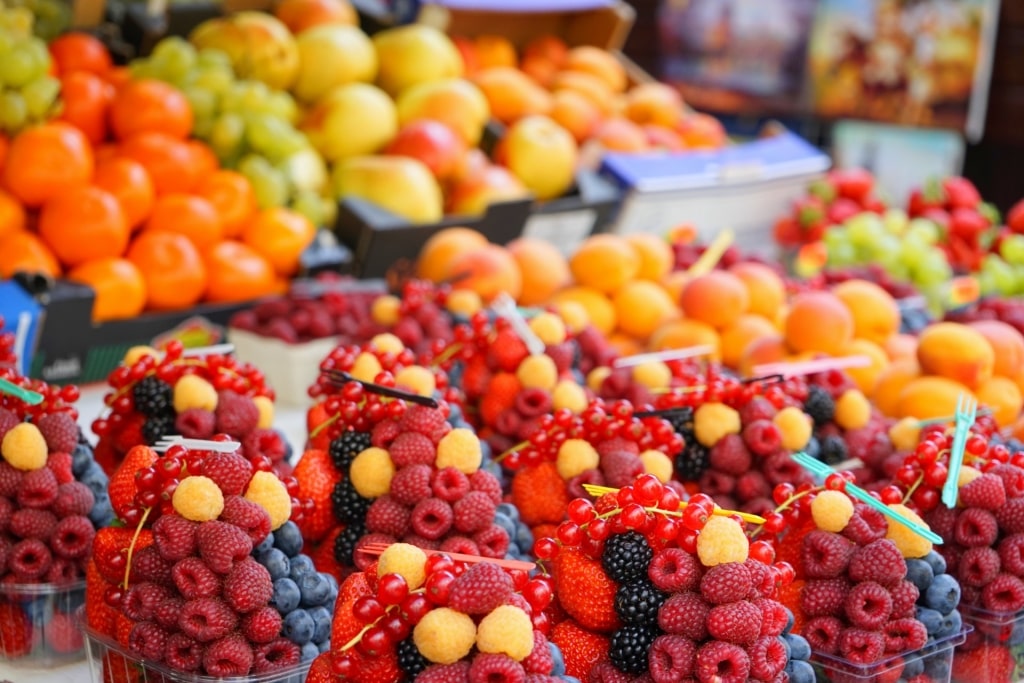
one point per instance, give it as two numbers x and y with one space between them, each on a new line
832 450
409 658
345 543
626 556
692 461
155 428
819 405
681 421
346 447
347 504
629 647
638 602
153 397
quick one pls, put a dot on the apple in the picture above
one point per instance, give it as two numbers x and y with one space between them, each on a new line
331 55
471 195
541 154
433 143
397 184
351 120
259 46
413 54
453 101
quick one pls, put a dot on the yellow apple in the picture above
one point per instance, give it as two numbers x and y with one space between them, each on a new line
332 55
541 154
413 54
401 185
259 46
351 120
454 102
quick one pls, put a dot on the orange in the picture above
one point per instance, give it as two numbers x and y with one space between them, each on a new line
120 289
189 215
280 235
83 224
237 273
22 251
77 51
171 163
818 321
47 160
174 271
604 262
543 267
12 214
717 298
204 161
232 195
86 98
129 182
150 106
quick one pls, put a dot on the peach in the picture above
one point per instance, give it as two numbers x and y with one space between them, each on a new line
702 131
494 50
767 349
597 62
717 298
738 336
876 317
901 346
929 397
475 192
684 333
575 113
818 321
548 47
298 15
488 270
655 103
866 378
1007 343
544 269
662 138
1002 396
454 102
891 381
437 254
604 262
511 94
588 85
656 256
621 135
956 352
765 289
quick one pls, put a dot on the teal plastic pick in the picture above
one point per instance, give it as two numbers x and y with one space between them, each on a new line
966 413
33 398
822 470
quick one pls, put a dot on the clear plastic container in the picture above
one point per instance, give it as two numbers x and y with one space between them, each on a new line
108 661
40 627
1002 636
935 659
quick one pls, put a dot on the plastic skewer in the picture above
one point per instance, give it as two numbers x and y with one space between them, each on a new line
33 398
712 255
170 440
340 376
504 306
208 350
812 367
668 354
966 414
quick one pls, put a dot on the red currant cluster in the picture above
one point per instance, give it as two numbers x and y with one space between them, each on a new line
55 399
793 506
711 383
343 359
8 357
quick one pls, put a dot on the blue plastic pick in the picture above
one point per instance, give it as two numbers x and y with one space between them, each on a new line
33 398
966 413
822 470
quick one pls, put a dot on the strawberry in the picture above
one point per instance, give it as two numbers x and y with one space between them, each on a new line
967 223
15 630
540 493
317 478
321 670
500 396
841 210
939 216
1015 219
507 351
316 416
345 625
581 649
111 542
960 193
355 586
990 662
383 669
787 232
323 555
123 626
122 483
585 590
98 614
854 184
119 669
931 196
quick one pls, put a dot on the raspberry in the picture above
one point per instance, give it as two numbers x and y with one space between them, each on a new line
831 510
904 598
62 634
10 480
384 432
429 422
506 630
6 512
942 520
1004 594
736 622
279 653
768 658
387 516
73 498
879 561
620 468
8 420
229 656
60 465
762 437
484 481
182 653
674 570
606 671
978 566
774 616
1013 479
904 635
671 658
247 586
38 489
450 485
823 634
261 625
59 431
481 588
445 673
230 471
195 423
576 456
539 661
194 579
976 528
1011 554
207 619
861 647
29 560
868 605
866 525
822 597
221 545
198 498
142 601
412 448
722 541
147 565
488 668
236 415
250 517
33 524
411 484
404 559
533 402
725 662
684 614
63 570
445 636
492 541
148 640
473 512
459 448
825 555
731 455
431 518
174 537
1010 516
459 544
986 492
725 583
166 613
72 538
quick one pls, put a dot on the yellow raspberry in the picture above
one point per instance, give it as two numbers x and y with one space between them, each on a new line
712 421
136 353
910 543
199 499
366 367
568 394
853 409
266 408
387 343
417 379
575 456
192 391
385 309
464 302
24 447
270 493
721 541
459 448
405 559
548 327
597 376
574 315
657 463
507 630
967 475
538 372
371 472
796 427
444 636
831 510
905 434
653 375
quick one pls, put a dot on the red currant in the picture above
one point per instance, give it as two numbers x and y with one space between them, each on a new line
392 589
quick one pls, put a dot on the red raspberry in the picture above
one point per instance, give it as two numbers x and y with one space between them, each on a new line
986 492
757 408
194 579
727 582
6 512
861 647
879 561
671 658
5 551
429 422
248 516
147 565
279 653
183 653
431 518
904 599
762 437
195 423
491 541
685 614
229 656
479 589
773 616
780 468
866 526
494 667
617 444
736 622
621 468
387 516
1011 554
978 566
822 597
412 448
606 672
450 484
517 600
445 673
674 570
174 537
266 442
230 472
1010 516
262 625
167 612
823 634
1004 594
33 524
474 512
762 579
221 545
384 432
236 415
575 486
60 465
248 586
539 660
564 354
942 520
767 658
976 528
8 421
825 555
62 634
60 432
752 486
718 661
142 601
148 640
868 606
72 538
30 559
73 498
904 635
532 402
10 480
459 544
507 351
1013 479
38 489
411 484
482 480
420 542
63 570
207 619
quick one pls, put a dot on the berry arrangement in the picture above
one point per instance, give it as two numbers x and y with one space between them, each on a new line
8 355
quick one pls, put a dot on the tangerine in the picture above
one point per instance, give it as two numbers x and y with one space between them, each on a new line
83 224
717 298
150 106
280 235
76 51
171 163
189 215
604 262
237 272
119 286
86 98
232 195
47 160
24 252
12 214
172 268
129 182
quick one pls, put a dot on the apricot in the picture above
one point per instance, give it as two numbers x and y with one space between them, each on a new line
494 50
641 307
511 94
600 63
656 256
891 381
1003 397
655 103
866 378
544 269
957 352
738 336
549 47
1007 344
488 270
588 85
684 333
929 397
765 289
574 112
604 262
767 349
625 345
440 250
620 135
597 305
901 345
717 298
876 317
818 321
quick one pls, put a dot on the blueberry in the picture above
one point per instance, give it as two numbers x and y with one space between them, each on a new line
334 585
799 648
524 537
510 511
800 671
313 589
276 562
569 679
920 573
309 652
790 620
937 666
785 644
324 646
558 660
943 594
937 562
300 566
912 666
288 539
953 622
485 450
95 478
321 623
265 545
506 523
813 447
931 619
298 627
101 514
285 597
80 459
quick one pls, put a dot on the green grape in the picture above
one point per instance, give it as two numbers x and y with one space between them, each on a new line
931 267
265 134
227 135
887 246
1012 249
19 67
269 185
40 96
895 221
306 171
842 255
864 229
321 211
282 105
208 58
216 81
1018 272
175 57
13 111
203 102
1002 275
143 68
253 95
16 22
923 231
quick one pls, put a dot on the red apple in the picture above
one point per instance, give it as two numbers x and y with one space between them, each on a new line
472 195
431 142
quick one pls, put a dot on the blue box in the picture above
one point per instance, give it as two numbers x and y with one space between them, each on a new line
22 314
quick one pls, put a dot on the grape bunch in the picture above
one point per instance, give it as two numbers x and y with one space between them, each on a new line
28 94
49 18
